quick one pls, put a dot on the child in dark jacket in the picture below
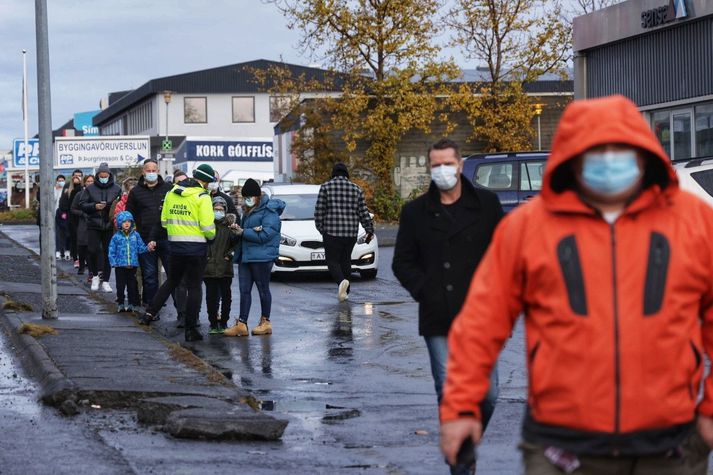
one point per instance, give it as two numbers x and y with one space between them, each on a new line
124 249
218 275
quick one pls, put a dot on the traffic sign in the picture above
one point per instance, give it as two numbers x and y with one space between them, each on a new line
167 145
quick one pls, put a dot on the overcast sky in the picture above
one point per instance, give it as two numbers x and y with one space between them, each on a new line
113 45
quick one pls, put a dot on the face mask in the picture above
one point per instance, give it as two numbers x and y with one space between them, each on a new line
250 202
219 215
610 173
104 181
60 184
151 177
445 177
212 186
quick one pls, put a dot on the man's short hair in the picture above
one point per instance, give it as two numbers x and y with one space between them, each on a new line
150 160
444 144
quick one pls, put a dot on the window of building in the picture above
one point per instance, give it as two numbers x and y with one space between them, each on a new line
195 110
244 109
704 130
140 119
279 107
661 122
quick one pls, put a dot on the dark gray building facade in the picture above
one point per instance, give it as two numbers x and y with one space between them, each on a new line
659 53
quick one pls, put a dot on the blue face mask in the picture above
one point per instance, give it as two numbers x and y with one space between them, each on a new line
104 181
610 173
219 215
151 177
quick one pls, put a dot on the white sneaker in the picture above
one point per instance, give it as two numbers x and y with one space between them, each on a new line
67 257
343 287
106 287
95 283
58 255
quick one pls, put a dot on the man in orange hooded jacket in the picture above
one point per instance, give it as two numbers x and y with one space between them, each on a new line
612 266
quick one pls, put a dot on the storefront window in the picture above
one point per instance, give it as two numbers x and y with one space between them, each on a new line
662 128
704 130
682 136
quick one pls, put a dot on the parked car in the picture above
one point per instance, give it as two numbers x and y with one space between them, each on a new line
696 176
514 176
301 247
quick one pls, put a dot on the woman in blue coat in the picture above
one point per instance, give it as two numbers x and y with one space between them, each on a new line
259 247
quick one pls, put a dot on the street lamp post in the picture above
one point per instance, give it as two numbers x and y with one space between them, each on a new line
25 120
538 113
167 100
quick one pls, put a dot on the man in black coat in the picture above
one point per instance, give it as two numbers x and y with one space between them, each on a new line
95 202
442 236
144 202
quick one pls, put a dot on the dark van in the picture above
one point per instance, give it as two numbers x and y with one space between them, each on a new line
514 176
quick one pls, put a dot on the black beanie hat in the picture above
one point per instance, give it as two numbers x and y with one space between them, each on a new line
250 188
340 169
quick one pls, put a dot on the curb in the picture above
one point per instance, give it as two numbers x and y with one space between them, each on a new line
55 387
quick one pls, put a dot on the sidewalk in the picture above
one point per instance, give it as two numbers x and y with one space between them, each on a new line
102 360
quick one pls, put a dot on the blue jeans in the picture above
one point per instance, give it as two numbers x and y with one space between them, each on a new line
438 354
149 269
257 273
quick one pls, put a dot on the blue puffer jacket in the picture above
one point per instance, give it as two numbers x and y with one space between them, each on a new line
263 245
124 248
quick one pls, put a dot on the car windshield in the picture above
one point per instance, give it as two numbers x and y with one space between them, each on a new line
298 207
705 179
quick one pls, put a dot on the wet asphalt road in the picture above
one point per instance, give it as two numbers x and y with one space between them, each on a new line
353 379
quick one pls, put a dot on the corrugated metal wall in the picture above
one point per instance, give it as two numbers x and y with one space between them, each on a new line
661 66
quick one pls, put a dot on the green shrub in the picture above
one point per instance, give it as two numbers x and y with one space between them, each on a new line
18 216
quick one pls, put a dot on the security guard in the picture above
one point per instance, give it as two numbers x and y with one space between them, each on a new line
187 215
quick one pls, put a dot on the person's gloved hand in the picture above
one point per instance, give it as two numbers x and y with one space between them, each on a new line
257 229
63 215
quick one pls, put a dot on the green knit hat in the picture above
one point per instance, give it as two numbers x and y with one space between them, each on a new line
205 173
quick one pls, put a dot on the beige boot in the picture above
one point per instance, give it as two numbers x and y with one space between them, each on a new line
264 328
239 329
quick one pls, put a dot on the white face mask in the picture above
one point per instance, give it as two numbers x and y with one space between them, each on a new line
250 202
212 186
445 177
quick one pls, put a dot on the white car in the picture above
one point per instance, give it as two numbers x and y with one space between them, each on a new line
696 176
301 247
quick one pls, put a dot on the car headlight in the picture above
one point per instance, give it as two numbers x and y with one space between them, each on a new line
286 240
361 239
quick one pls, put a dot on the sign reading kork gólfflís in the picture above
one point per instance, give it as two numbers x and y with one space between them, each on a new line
89 152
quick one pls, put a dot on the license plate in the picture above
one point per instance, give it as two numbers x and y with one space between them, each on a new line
317 256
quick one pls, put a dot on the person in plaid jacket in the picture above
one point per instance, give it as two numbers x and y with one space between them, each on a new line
339 210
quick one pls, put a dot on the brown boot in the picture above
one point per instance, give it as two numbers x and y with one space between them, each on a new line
239 329
264 328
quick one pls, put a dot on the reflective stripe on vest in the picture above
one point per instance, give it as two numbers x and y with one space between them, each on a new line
182 222
187 238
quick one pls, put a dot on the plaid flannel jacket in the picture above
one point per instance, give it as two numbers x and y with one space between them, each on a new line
340 208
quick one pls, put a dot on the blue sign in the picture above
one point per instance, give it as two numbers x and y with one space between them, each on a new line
83 123
224 151
19 156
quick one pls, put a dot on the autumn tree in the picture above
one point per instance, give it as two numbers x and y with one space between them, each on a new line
517 41
385 55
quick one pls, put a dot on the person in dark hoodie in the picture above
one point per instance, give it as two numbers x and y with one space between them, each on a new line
81 231
187 215
70 191
95 201
218 275
144 203
259 247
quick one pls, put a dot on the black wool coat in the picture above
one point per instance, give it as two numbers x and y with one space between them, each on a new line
435 257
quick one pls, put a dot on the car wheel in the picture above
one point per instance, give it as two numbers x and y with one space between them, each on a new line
368 273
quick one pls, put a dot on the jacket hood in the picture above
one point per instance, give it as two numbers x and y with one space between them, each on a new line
124 216
188 187
588 123
273 204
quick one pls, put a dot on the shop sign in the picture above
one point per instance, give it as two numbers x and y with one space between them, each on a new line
675 10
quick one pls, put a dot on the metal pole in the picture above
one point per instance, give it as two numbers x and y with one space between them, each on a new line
47 245
165 162
24 116
539 134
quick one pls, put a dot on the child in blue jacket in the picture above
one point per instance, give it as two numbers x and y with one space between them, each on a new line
124 250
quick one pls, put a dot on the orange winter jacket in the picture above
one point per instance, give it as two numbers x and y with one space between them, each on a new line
617 316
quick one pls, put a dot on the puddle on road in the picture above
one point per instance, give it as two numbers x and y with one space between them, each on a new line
16 392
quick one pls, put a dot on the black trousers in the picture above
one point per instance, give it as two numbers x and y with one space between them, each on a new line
73 248
190 268
98 252
126 279
338 253
82 256
218 293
